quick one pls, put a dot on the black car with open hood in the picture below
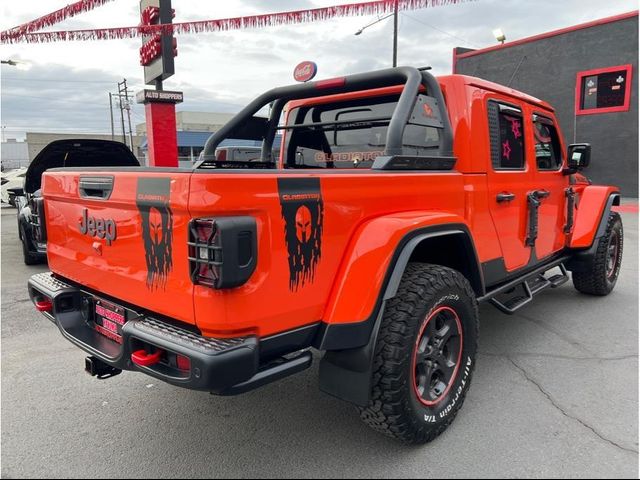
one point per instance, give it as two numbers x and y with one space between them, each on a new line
60 154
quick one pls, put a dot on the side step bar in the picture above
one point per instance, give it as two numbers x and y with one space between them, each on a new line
522 290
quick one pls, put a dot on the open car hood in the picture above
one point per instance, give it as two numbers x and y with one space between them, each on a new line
77 153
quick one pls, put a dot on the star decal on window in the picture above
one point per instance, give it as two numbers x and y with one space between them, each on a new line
515 128
506 150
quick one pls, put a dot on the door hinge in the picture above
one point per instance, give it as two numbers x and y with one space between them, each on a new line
571 203
534 200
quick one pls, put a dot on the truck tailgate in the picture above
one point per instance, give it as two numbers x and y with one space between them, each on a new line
124 234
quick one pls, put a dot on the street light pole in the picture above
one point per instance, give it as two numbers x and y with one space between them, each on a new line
20 65
395 30
395 33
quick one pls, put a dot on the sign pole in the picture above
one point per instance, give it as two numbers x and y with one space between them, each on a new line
160 112
156 56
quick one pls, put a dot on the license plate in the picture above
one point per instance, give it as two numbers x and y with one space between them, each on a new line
109 319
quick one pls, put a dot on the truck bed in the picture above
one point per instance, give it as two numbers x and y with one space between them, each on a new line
146 264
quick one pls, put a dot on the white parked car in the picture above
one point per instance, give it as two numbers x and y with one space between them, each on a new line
11 179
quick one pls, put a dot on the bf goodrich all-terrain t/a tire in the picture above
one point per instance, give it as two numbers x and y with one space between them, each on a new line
603 273
425 355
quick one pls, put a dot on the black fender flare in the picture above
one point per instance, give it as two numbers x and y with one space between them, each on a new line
24 228
582 260
346 367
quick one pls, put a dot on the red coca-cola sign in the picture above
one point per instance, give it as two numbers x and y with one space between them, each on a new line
305 71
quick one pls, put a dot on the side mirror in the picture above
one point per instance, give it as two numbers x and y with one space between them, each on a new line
579 156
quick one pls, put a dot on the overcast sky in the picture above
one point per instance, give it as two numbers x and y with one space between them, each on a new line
67 87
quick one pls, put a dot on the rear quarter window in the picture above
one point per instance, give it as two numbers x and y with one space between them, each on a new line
506 132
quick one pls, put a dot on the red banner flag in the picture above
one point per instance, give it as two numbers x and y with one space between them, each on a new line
378 7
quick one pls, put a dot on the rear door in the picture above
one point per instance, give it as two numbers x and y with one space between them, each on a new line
509 179
123 234
547 149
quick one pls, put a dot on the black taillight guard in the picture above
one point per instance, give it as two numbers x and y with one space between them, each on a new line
36 219
222 251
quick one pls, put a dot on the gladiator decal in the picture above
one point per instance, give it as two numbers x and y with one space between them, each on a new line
303 215
152 200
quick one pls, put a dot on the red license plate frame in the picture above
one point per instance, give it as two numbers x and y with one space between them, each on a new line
109 319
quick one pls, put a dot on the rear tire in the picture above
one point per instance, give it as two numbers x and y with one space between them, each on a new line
28 257
603 273
425 355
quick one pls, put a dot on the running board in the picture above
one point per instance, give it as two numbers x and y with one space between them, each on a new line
522 291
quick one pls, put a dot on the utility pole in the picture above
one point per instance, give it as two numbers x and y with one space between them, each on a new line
395 33
111 114
125 104
120 95
128 107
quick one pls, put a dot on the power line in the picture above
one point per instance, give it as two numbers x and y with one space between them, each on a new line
439 30
6 96
49 80
56 129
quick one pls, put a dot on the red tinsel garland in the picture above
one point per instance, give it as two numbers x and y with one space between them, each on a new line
52 18
256 21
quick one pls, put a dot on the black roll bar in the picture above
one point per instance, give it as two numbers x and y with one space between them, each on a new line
412 78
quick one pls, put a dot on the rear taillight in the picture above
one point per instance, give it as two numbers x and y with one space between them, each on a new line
221 155
222 251
37 220
205 252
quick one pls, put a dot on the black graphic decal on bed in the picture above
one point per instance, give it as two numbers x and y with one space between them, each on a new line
303 214
152 200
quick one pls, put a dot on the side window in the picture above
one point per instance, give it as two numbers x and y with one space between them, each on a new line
547 144
506 129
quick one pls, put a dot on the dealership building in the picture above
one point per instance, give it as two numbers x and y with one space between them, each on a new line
589 74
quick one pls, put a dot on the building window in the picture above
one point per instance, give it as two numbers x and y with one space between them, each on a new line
604 90
507 137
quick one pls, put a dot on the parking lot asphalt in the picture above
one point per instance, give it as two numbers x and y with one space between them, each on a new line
555 394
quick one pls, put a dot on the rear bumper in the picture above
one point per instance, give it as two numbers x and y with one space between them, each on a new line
216 365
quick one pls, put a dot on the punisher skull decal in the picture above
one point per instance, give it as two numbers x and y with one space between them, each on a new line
303 224
152 199
303 214
155 225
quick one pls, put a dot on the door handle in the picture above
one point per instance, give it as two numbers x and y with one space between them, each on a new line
96 187
505 197
540 194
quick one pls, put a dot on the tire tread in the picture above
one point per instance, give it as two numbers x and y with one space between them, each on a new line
594 281
387 411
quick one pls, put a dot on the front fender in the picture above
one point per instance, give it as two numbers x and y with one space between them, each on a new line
368 262
594 207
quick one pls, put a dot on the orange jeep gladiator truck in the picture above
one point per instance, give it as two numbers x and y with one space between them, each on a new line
397 204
